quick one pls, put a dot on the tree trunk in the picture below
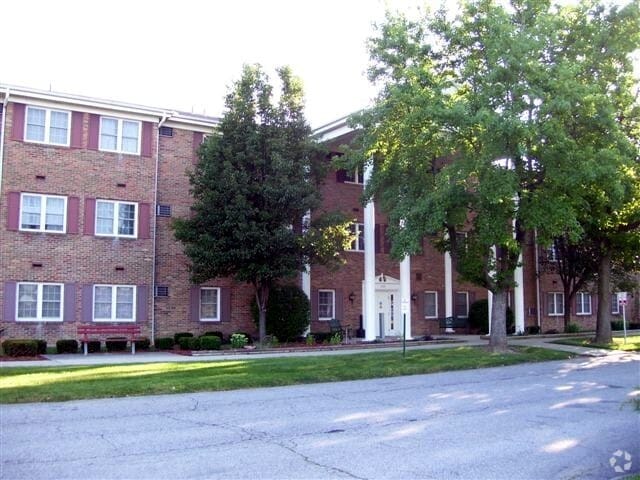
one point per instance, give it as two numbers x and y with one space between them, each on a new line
498 336
567 306
262 295
603 325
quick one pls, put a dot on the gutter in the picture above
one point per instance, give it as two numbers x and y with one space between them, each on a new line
5 101
537 262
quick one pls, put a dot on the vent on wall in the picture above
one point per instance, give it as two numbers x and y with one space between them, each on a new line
162 291
163 210
166 131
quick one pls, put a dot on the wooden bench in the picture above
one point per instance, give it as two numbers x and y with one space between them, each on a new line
132 331
451 323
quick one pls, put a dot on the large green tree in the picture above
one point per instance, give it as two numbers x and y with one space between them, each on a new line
463 135
255 183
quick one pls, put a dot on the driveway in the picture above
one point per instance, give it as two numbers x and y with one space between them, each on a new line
561 420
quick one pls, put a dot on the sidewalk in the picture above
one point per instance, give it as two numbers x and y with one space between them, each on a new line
154 357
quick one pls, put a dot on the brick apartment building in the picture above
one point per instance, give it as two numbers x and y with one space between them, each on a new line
88 190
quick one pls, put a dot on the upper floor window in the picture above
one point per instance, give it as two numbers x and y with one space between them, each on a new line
40 302
118 135
209 304
357 230
44 125
114 303
326 304
117 219
583 303
42 213
552 254
354 176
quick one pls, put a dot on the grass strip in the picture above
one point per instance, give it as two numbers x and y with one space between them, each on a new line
48 384
632 345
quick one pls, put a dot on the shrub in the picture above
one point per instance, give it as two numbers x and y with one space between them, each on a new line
532 330
20 347
321 337
215 333
336 339
310 340
189 343
143 343
42 347
164 343
288 312
479 317
239 340
179 335
68 345
93 346
210 342
116 344
572 328
617 325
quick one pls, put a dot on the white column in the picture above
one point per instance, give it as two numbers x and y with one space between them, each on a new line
448 285
369 297
405 291
305 277
490 302
518 296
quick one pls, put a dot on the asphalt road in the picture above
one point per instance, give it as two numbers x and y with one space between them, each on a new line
555 420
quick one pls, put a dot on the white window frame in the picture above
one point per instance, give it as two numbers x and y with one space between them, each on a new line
580 303
120 122
209 319
359 232
47 126
354 176
466 294
114 304
39 303
435 297
43 213
333 303
116 217
615 305
558 305
552 254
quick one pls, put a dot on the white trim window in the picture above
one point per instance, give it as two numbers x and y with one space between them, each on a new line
461 307
583 303
615 305
44 125
209 304
354 176
119 135
116 219
326 304
430 304
357 230
43 213
555 304
552 254
39 302
114 303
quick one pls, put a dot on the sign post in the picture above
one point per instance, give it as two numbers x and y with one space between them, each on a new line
405 309
623 303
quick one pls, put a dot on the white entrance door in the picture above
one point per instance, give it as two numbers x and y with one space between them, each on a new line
388 303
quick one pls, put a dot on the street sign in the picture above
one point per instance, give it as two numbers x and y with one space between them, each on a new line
405 306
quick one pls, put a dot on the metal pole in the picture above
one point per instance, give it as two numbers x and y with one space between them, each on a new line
404 334
624 321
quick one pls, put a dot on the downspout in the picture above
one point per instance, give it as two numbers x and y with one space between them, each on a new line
5 101
165 117
537 262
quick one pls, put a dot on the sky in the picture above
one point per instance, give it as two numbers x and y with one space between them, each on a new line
185 54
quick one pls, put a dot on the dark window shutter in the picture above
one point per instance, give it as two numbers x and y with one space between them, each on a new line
89 215
147 139
69 302
386 242
422 305
9 299
442 311
76 129
197 141
144 212
87 303
17 129
339 302
94 132
472 298
376 238
194 303
13 207
142 293
73 210
341 175
225 307
314 304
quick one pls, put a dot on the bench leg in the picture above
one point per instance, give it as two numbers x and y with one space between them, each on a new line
133 347
86 348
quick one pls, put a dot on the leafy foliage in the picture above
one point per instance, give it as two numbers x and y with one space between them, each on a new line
288 312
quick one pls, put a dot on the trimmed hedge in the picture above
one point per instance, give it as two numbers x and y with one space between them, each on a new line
42 347
210 342
179 335
20 347
116 344
93 346
216 333
67 346
164 343
143 343
189 343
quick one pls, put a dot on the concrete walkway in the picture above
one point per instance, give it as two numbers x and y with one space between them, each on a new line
155 357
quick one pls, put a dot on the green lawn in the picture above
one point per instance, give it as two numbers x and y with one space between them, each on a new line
47 384
632 345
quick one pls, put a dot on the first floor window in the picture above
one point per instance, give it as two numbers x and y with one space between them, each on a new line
462 304
555 303
210 304
583 303
114 303
42 213
326 304
47 126
116 219
431 304
357 231
615 305
39 302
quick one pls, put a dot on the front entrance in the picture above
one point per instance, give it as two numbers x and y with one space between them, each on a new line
388 309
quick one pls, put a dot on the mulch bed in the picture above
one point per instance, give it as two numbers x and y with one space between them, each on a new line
5 358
